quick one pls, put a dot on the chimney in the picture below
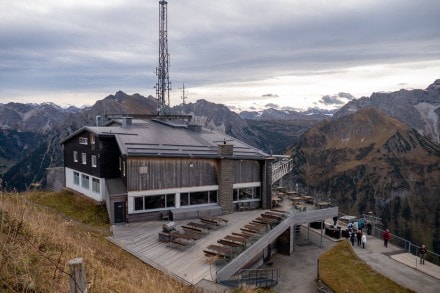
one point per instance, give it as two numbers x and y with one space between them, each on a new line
226 149
127 121
98 120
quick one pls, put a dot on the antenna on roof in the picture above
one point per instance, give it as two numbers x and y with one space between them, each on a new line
183 94
163 85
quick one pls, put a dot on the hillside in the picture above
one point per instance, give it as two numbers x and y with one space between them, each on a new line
369 161
36 245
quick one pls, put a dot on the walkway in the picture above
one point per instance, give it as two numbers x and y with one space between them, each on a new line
299 270
400 266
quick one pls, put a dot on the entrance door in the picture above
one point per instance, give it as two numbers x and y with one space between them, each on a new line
119 211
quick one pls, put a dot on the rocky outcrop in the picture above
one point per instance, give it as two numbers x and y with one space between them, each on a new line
419 109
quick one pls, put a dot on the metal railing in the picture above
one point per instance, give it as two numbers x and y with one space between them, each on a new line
407 246
259 278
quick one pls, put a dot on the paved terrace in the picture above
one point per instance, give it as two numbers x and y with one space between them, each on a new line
299 269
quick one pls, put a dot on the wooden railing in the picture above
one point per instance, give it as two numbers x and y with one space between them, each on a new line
281 168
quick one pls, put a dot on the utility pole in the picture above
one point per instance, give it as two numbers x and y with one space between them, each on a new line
163 85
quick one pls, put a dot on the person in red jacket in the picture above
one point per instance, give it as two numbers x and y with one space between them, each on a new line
386 237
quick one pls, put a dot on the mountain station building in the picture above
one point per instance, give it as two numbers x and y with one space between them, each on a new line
148 169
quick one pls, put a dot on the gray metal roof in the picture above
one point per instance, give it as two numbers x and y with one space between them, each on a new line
170 139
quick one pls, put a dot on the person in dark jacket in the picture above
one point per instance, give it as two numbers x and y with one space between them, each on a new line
369 226
359 237
422 254
352 238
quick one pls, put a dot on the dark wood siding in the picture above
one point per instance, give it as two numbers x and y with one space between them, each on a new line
247 171
108 160
105 149
160 173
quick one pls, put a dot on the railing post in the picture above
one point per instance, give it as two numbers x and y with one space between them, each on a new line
77 279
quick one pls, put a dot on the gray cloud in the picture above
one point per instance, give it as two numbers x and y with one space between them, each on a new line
272 105
336 100
103 46
269 96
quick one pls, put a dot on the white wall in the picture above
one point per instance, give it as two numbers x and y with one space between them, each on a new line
87 192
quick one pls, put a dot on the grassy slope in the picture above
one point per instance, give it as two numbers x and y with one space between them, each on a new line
36 244
343 271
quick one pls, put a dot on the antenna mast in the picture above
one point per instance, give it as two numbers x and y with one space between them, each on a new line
163 84
183 94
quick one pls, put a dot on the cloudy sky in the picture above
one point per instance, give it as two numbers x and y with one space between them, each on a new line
285 53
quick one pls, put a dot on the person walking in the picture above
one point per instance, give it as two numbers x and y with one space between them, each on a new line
359 236
369 226
364 240
422 254
386 237
352 238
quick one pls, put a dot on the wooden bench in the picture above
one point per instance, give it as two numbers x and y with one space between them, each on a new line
194 232
177 241
229 243
218 251
236 239
201 226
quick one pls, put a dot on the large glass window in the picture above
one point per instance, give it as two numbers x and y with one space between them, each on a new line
152 202
85 181
247 193
198 197
213 196
75 178
184 199
96 185
138 203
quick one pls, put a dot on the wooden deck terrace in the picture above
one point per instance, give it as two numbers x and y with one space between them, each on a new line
186 263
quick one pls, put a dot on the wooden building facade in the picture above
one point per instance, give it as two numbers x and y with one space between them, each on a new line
147 169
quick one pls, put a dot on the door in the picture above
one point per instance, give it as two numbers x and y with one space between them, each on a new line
119 211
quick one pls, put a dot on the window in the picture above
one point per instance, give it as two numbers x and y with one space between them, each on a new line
152 202
85 181
138 203
76 178
120 163
83 140
84 158
92 139
75 156
184 199
123 168
96 185
93 161
247 193
213 196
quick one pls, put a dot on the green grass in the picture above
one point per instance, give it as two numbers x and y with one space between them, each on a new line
73 206
343 271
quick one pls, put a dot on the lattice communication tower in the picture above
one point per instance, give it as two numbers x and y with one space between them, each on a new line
163 85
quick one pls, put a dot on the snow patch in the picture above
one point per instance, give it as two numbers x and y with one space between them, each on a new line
427 111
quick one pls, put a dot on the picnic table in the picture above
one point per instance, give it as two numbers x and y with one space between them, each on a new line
308 199
218 250
322 204
301 207
274 215
296 199
214 220
204 226
266 221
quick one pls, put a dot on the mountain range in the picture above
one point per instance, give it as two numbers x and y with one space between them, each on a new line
379 153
